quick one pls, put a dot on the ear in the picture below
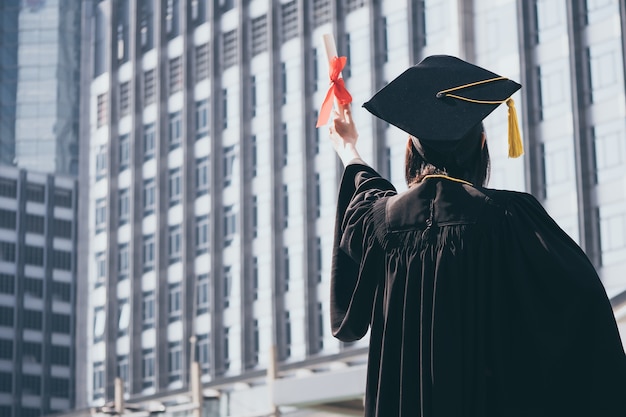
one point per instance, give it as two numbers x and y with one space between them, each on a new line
483 140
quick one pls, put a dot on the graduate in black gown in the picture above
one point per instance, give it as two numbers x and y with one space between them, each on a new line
478 304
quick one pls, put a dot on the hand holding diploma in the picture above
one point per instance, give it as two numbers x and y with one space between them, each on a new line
337 90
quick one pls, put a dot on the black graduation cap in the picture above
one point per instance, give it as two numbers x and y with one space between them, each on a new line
439 100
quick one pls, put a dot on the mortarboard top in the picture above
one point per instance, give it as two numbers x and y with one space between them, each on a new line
442 98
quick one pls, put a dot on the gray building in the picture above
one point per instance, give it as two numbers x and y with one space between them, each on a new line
39 66
211 194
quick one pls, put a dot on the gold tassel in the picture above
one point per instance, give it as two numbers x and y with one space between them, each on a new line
516 147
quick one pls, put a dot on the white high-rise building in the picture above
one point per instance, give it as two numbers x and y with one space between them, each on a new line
211 194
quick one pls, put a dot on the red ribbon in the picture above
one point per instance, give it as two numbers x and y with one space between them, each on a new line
336 90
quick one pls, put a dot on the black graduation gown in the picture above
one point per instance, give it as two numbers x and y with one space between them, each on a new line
478 304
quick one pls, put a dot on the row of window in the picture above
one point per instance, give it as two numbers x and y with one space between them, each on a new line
35 192
32 385
35 224
60 291
33 319
34 255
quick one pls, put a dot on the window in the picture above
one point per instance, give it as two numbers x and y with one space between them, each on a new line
286 272
175 361
101 110
254 207
175 129
62 228
7 284
203 294
122 368
289 20
123 261
227 283
6 316
124 98
224 108
62 260
229 48
318 260
99 322
149 141
148 253
174 305
202 234
6 382
202 176
61 291
8 219
203 351
149 87
287 334
34 223
60 355
230 225
32 319
285 206
197 9
101 162
31 384
98 380
202 118
146 24
175 186
147 310
229 164
149 197
202 62
33 287
322 12
176 74
59 387
320 325
346 50
6 349
31 352
255 278
147 368
60 323
124 152
124 206
7 251
253 97
352 5
285 143
171 18
8 188
101 214
318 195
226 348
35 192
33 255
254 360
63 198
123 317
175 243
283 82
253 155
259 35
101 268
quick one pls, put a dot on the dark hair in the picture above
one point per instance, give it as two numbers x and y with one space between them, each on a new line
474 167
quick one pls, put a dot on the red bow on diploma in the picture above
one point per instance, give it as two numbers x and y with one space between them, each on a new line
336 90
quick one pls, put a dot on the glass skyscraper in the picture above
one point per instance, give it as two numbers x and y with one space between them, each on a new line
211 194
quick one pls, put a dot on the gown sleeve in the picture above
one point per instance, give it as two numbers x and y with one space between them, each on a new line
356 259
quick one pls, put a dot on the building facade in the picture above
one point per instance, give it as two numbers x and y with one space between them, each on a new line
37 270
211 194
39 92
